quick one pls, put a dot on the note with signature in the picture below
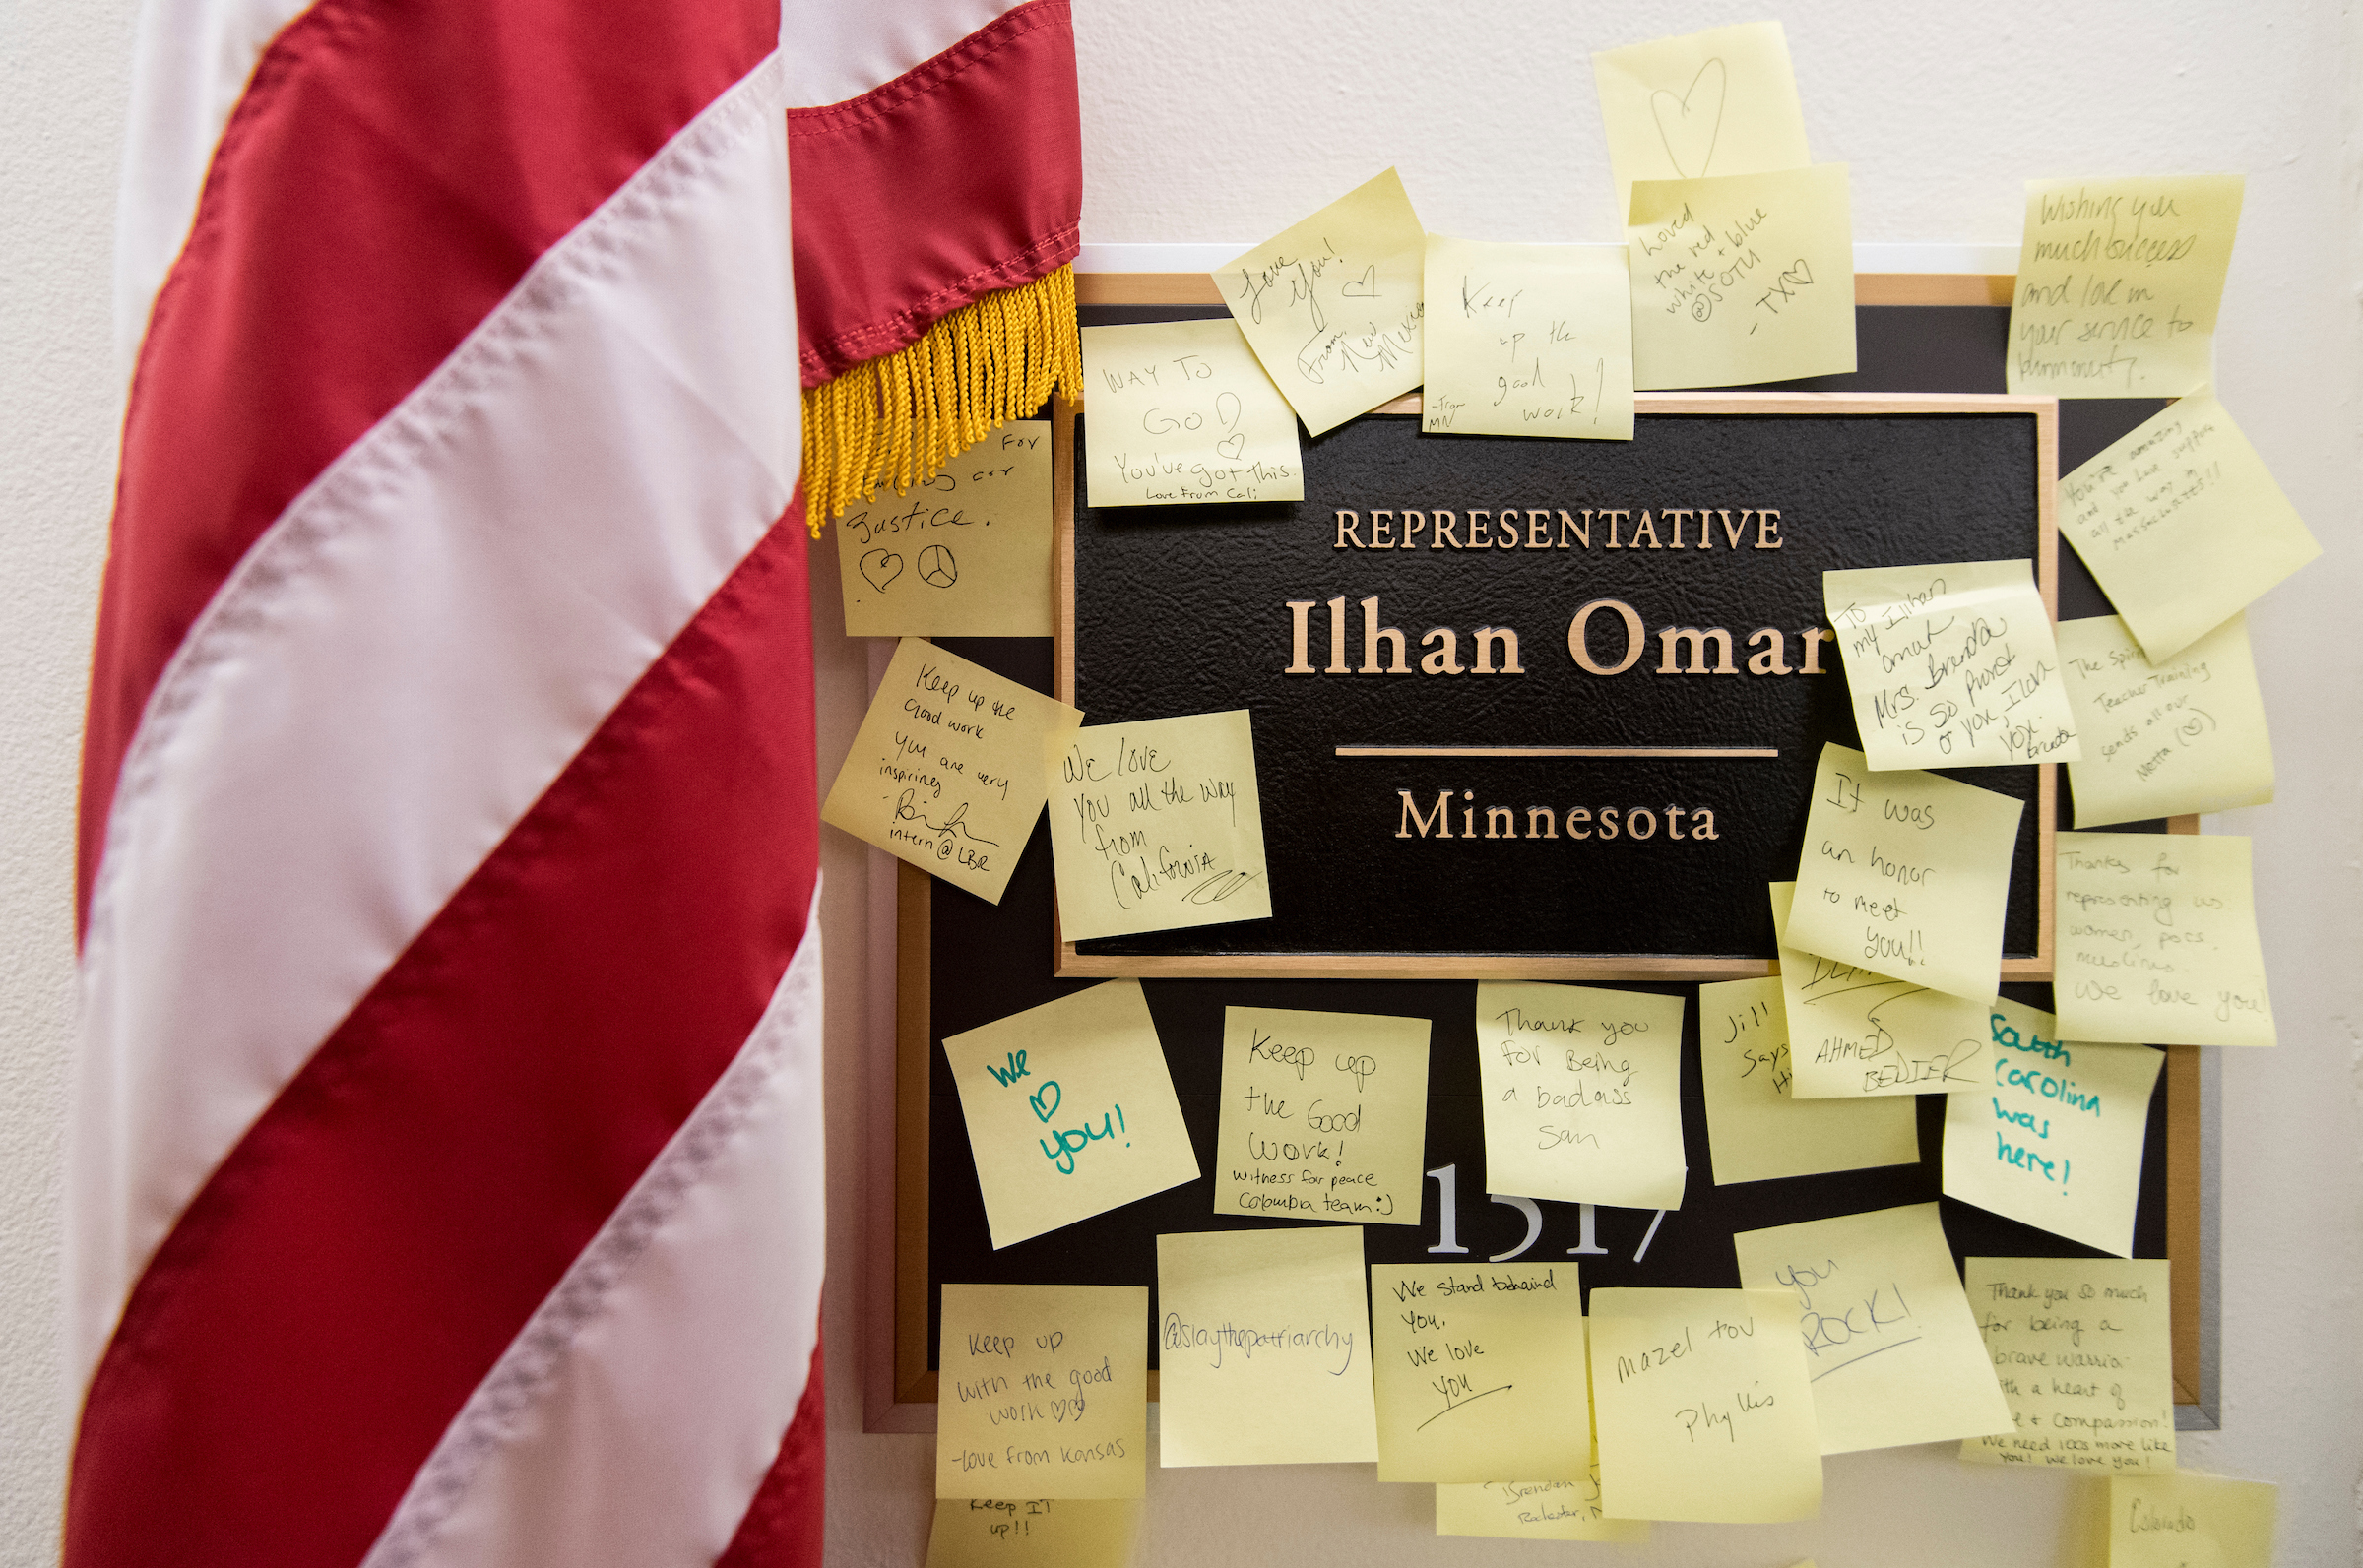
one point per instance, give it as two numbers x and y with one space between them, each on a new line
1724 102
1891 1348
1044 1391
1953 666
1582 1094
2183 735
1324 1116
945 770
1855 1033
2189 1519
2182 524
2055 1141
1533 1511
2157 941
1033 1533
1157 825
2119 281
1181 413
1332 304
1756 1130
2082 1348
1480 1371
1070 1110
1703 1406
1742 278
1264 1347
964 554
1527 341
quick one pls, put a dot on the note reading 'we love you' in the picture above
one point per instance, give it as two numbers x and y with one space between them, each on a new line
2158 941
2083 1350
1324 1116
1181 412
1854 1033
1480 1371
965 554
1582 1094
1044 1391
1527 341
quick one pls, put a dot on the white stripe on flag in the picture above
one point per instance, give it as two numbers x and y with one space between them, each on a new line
837 51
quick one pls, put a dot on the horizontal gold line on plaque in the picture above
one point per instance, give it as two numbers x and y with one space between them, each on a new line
1557 751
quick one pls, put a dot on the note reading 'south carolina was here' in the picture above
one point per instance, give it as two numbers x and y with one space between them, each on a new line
2082 1348
2157 941
1742 279
2178 737
1181 412
1044 1391
1582 1094
967 553
1724 102
1033 1533
1756 1131
1527 341
1324 1116
1480 1371
2187 1518
1856 1033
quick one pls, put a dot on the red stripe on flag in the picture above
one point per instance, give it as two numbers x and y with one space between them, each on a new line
783 1525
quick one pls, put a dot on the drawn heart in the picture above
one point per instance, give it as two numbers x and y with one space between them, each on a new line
1687 124
1041 1112
881 567
1799 274
1363 288
1232 446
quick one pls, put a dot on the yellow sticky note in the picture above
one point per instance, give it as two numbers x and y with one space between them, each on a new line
1033 1533
1724 102
1181 412
1952 666
1528 341
1533 1511
1856 1033
2056 1141
2183 735
1704 1408
1331 305
1156 825
1892 1347
1324 1116
944 772
2187 1518
2157 941
1044 1391
1582 1094
2182 524
1755 1129
1742 279
1265 1349
2119 281
1480 1371
965 555
2085 1358
1070 1110
1906 872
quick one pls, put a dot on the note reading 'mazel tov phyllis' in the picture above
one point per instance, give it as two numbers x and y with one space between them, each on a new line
1044 1391
2085 1358
2172 739
1528 341
1582 1094
1742 279
2158 941
1181 412
1324 1116
967 553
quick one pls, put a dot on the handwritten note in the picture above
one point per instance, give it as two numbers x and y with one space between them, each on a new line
2183 735
1181 412
1756 1131
1070 1110
1265 1352
1891 1344
2054 1142
1332 305
1156 825
2182 524
1742 279
1324 1116
1480 1371
1534 1511
2082 1348
2157 941
1704 1408
2119 281
945 771
1724 102
1951 666
1044 1391
1033 1533
2187 1518
1856 1033
1528 341
965 555
1582 1094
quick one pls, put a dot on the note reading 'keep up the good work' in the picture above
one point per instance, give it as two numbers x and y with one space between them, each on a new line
1527 341
1323 1116
1182 413
1044 1391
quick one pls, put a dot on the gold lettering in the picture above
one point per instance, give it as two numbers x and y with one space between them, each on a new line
1577 814
1440 534
1337 638
1445 661
1373 634
1644 526
1613 519
1382 534
1500 817
1550 818
1300 610
1732 534
1578 648
1584 532
1538 529
1633 819
1695 640
1478 529
1767 531
1813 635
1773 660
1675 514
1487 638
1347 523
1413 521
1441 818
1703 823
1608 822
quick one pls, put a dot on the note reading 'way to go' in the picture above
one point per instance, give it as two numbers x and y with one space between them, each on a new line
1950 667
1070 1110
1480 1371
1856 1033
1324 1116
1755 1130
1527 341
2082 1348
2054 1142
2183 735
967 553
1724 102
1533 1511
1332 304
944 772
1033 1533
1044 1391
1182 413
2187 1518
1891 1344
2158 941
1582 1094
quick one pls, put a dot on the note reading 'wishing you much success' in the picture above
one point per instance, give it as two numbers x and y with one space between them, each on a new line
1044 1391
1182 413
965 554
1742 279
1324 1116
1756 1130
1481 1371
1724 102
2177 737
1582 1094
2158 941
1527 341
2082 1348
1855 1033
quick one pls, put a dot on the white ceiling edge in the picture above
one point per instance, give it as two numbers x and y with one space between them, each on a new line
1867 258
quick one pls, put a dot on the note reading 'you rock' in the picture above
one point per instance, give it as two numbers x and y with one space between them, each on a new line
1324 1116
1044 1391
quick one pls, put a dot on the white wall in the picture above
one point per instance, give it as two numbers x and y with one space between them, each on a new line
1223 121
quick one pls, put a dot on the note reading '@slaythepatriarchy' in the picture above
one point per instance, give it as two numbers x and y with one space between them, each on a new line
2177 737
965 554
2082 1348
1044 1391
1528 341
1741 278
2157 941
1181 413
1323 1116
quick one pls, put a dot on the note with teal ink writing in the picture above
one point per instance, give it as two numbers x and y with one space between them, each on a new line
1264 1347
1044 1391
1480 1371
1181 412
1582 1094
1724 102
964 554
1891 1345
1854 1033
1742 279
945 769
1323 1117
2182 524
1533 1511
1332 305
1033 1533
2183 735
1070 1110
2188 1519
1527 341
2055 1141
1756 1130
2085 1358
1953 666
2157 941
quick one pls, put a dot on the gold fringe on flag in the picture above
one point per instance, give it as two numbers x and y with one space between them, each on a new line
898 418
